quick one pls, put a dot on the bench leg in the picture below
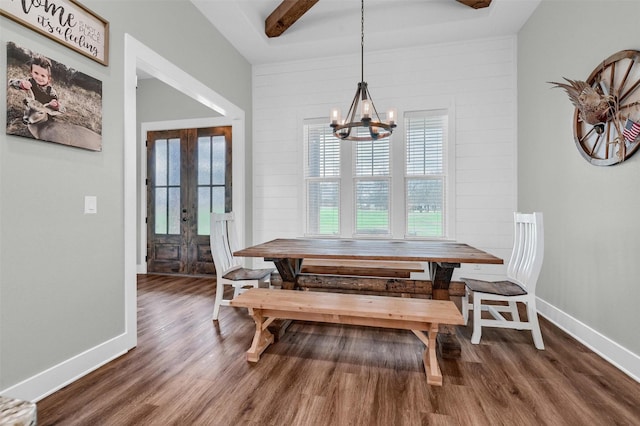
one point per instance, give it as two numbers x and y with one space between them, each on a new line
429 357
262 337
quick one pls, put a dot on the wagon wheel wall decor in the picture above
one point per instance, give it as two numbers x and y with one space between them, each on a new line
610 135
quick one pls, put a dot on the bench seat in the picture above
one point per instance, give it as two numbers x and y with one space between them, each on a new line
417 315
370 268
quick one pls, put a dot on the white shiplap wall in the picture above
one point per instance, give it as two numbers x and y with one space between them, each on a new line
476 79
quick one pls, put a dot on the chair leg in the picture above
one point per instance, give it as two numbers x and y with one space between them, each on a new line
532 316
477 314
218 301
466 307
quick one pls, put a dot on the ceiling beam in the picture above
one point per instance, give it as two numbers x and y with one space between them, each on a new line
476 4
285 15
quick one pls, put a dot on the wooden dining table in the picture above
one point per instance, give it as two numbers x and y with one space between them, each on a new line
442 257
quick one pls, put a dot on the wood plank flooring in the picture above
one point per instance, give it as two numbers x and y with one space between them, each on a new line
189 370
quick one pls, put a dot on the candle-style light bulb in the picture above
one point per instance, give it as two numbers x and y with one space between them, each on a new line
366 108
335 116
392 116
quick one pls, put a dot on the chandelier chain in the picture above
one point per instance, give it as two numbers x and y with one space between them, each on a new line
362 40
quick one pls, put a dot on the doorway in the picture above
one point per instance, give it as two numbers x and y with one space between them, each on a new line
189 176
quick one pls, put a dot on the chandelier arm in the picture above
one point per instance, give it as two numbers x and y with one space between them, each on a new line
353 109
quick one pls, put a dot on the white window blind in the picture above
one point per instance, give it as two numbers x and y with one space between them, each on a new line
425 181
322 179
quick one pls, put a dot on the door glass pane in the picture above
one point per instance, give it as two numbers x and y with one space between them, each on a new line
212 179
161 211
174 161
210 199
204 209
160 148
174 211
167 186
219 160
204 161
219 200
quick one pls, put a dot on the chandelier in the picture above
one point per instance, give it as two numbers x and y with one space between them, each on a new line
369 119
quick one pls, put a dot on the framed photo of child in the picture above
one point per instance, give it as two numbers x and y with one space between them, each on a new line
51 102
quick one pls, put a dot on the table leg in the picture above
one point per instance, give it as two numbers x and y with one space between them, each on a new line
288 270
441 274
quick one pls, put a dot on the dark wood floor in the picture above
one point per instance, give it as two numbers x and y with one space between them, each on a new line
188 370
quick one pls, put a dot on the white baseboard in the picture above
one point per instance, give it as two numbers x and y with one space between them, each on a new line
45 383
619 356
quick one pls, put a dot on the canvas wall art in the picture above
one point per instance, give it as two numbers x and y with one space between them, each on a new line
51 102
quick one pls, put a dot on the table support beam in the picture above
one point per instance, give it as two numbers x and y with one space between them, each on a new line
441 273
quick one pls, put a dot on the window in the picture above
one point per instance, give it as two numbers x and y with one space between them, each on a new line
425 180
352 189
322 180
372 183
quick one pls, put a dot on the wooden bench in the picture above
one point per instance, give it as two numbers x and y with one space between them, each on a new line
371 268
417 315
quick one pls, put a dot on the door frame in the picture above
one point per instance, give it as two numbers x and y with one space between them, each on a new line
195 123
138 57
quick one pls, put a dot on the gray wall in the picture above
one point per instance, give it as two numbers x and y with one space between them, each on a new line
157 101
591 269
61 272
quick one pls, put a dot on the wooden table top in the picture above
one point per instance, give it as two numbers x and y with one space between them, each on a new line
405 250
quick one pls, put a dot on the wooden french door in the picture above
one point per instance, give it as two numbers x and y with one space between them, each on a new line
189 176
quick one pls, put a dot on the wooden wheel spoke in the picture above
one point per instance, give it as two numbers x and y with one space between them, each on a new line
612 82
632 104
595 145
626 94
586 136
630 91
626 75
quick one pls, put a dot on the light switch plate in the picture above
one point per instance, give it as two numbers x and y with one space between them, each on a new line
90 204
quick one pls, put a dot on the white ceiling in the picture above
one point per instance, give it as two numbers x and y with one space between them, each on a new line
332 27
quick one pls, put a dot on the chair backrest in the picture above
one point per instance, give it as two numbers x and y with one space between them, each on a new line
223 243
528 250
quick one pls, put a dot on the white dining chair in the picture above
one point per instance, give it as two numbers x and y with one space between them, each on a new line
229 270
519 286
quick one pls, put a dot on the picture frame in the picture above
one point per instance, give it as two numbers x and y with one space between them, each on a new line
48 101
65 21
